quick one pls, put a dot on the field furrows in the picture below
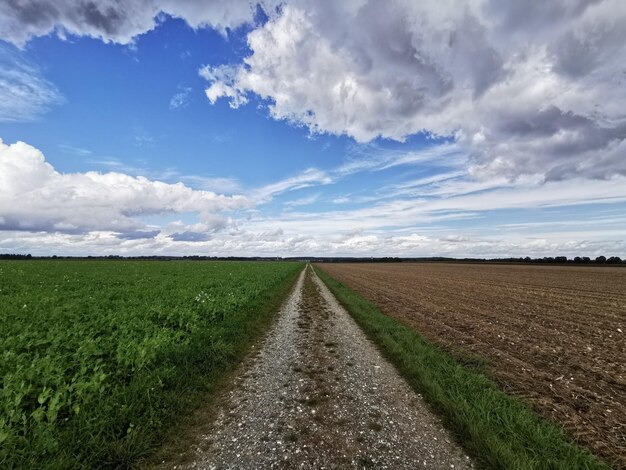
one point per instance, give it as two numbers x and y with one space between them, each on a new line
554 336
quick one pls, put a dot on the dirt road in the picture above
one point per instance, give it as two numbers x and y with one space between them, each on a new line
319 395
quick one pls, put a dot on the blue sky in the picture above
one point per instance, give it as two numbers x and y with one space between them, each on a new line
259 131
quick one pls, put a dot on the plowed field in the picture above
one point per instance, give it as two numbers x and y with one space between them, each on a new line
554 336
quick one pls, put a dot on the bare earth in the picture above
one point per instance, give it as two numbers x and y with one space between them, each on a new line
554 336
319 395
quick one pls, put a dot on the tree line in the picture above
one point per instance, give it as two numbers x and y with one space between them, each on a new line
368 259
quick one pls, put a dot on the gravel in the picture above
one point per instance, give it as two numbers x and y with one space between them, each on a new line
318 394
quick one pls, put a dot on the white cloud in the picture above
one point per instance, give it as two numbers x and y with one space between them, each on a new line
371 157
423 210
78 151
43 211
534 89
35 197
24 93
212 183
277 243
341 200
521 94
305 179
181 98
303 201
529 91
367 158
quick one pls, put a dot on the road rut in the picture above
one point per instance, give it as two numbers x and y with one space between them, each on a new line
318 394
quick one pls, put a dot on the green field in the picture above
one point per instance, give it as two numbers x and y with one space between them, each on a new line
98 358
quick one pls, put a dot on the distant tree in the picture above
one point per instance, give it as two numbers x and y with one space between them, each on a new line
586 259
560 259
614 260
601 259
578 259
14 256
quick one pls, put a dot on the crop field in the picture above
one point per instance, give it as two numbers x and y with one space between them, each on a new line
553 336
99 357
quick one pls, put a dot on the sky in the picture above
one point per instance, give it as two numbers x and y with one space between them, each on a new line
485 128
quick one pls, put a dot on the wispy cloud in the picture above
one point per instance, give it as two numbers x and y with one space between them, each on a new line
142 138
79 151
372 157
181 98
218 184
212 183
308 178
25 95
368 159
135 168
417 211
303 201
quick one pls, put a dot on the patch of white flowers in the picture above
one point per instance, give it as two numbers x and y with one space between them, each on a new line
203 297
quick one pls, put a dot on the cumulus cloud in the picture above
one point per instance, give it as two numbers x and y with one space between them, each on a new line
24 93
525 88
35 197
113 20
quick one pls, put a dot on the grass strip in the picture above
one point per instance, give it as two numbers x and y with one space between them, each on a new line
172 442
497 430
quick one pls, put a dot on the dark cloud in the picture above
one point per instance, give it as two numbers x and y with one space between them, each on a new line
35 223
190 237
138 234
112 20
35 12
533 15
556 143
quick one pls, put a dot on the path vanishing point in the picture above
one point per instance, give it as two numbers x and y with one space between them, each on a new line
317 394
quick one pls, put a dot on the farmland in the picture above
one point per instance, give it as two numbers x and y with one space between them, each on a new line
552 336
99 357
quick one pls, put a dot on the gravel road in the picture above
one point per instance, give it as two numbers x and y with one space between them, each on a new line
318 394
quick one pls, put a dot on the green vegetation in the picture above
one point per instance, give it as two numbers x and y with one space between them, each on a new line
496 429
98 358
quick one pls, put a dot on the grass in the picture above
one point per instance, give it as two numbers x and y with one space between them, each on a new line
98 359
497 430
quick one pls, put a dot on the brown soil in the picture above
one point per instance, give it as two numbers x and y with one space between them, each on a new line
554 336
